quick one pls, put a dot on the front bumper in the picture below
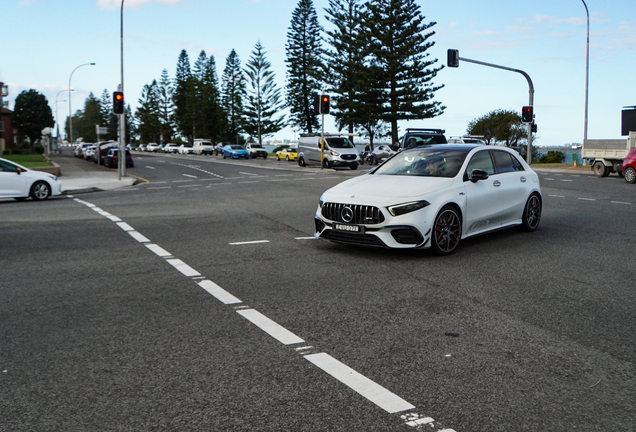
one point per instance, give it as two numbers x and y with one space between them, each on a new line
412 230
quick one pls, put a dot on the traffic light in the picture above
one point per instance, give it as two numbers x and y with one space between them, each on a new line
526 114
317 104
452 58
324 104
118 102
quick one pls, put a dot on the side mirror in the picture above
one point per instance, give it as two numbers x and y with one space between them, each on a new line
18 170
478 175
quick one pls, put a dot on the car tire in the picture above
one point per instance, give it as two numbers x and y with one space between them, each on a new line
277 157
326 163
287 158
531 213
265 157
354 167
447 231
40 191
600 169
223 155
629 174
301 161
374 160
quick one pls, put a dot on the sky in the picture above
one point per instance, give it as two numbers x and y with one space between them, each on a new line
46 41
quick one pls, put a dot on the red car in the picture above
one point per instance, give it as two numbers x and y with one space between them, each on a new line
629 167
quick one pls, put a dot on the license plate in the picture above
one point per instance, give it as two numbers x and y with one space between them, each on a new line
349 228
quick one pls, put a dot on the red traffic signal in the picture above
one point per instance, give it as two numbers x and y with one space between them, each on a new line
118 102
527 115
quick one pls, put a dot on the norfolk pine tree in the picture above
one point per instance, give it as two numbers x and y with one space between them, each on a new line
399 44
232 90
345 60
262 97
304 66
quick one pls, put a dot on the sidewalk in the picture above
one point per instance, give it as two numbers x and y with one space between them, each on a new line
586 169
80 176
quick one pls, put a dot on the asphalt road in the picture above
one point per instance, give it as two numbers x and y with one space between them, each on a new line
198 301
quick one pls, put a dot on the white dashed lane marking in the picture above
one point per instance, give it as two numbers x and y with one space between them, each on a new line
372 391
270 327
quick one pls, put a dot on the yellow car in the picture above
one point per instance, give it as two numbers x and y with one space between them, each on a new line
289 154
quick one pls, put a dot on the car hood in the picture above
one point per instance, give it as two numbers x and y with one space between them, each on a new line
371 188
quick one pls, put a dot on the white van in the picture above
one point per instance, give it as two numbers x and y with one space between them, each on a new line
202 146
338 151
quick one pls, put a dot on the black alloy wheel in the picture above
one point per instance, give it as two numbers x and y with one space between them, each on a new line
447 231
531 213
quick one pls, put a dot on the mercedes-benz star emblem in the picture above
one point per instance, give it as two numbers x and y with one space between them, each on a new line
347 214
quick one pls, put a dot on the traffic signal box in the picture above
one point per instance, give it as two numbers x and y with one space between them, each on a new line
527 114
118 102
321 104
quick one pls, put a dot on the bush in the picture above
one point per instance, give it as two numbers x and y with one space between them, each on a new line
553 157
39 149
7 152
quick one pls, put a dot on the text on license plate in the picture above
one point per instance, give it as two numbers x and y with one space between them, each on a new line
350 228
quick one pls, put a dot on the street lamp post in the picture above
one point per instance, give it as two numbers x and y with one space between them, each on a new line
587 69
57 119
70 117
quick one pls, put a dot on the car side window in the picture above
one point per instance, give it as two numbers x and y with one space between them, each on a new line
480 161
503 161
7 167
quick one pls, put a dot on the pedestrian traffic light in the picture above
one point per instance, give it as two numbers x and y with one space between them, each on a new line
452 58
118 102
324 104
534 128
526 114
317 104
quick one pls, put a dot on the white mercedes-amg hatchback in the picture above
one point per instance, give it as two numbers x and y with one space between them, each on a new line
432 197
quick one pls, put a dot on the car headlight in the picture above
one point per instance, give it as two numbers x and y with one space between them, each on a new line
400 209
333 153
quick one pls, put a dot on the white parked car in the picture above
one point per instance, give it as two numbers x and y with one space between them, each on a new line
20 183
432 197
170 148
152 147
184 149
89 153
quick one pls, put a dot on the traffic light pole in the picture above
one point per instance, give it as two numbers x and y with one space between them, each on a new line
122 116
531 99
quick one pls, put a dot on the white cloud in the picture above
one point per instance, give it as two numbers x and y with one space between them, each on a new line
548 19
516 29
116 4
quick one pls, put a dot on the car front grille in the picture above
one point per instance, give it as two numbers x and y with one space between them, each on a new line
361 214
407 235
348 157
356 239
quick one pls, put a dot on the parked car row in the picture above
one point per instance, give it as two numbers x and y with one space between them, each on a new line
104 153
165 148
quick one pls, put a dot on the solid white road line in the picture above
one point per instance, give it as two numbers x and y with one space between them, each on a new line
158 250
374 392
188 175
183 267
249 242
586 199
218 292
114 218
620 202
139 237
305 238
270 327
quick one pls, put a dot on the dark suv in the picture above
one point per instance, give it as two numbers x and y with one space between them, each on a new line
422 137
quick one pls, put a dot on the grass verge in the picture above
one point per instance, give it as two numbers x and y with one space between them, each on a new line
29 161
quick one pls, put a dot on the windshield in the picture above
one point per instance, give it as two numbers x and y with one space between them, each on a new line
339 143
423 140
237 147
257 146
427 162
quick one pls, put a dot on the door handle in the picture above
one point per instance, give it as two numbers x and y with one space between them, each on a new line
496 183
523 179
